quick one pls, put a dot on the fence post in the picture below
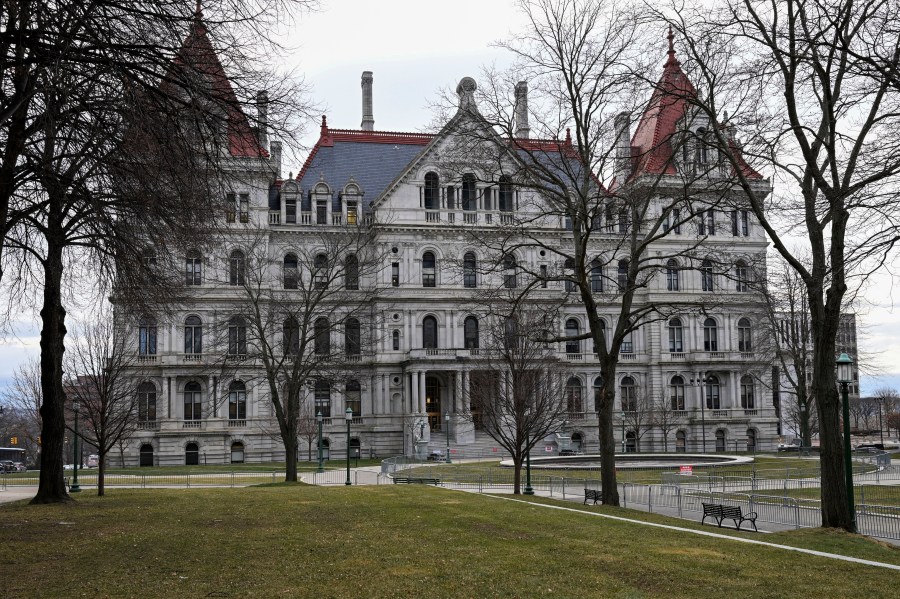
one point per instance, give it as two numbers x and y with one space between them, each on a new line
625 495
188 480
564 488
143 481
480 482
649 498
678 497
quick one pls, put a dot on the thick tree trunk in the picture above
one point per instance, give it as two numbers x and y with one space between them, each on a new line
517 474
101 474
51 487
608 485
290 458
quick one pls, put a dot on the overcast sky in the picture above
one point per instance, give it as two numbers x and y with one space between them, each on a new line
414 49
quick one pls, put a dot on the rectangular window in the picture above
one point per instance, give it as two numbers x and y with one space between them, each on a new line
147 340
543 276
627 344
395 274
451 197
244 207
321 212
351 213
290 211
745 223
230 207
676 221
711 222
487 198
734 223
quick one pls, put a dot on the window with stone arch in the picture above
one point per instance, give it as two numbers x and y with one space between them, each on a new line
432 192
290 336
707 278
676 336
353 398
505 195
574 403
237 336
147 336
469 193
429 332
745 335
676 392
721 440
470 270
470 333
710 335
628 393
510 268
351 272
680 442
322 337
193 268
193 335
622 273
673 282
192 401
747 400
742 276
713 389
596 276
429 270
352 337
322 398
237 266
320 271
395 340
598 388
573 346
237 401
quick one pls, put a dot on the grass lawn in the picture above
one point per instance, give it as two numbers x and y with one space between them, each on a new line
870 494
297 540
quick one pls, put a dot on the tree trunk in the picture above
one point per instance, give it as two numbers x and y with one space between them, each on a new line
309 451
51 488
290 459
101 474
608 486
517 474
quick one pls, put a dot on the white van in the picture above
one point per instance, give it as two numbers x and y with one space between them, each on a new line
93 461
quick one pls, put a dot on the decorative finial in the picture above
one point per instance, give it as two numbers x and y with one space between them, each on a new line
568 136
671 60
324 129
198 12
466 92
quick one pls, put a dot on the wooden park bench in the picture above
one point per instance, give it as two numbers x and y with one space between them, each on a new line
592 494
408 480
728 512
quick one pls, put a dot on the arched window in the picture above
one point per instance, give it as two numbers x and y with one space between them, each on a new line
627 346
351 272
322 337
511 333
742 276
432 191
707 279
322 397
676 336
628 393
146 458
598 388
710 335
509 271
429 332
623 275
146 396
352 337
147 336
237 336
681 442
713 401
470 267
751 439
353 398
505 196
676 393
701 151
395 340
573 346
745 335
192 401
747 401
290 273
237 453
290 336
569 268
193 335
237 265
720 440
320 271
672 282
470 333
193 268
237 401
191 454
429 267
469 191
574 402
596 276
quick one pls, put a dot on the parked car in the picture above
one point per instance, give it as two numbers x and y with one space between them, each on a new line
436 456
7 466
19 466
792 446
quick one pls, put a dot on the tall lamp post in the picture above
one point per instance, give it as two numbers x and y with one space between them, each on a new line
700 379
880 425
348 416
447 422
319 420
75 488
624 447
844 376
528 488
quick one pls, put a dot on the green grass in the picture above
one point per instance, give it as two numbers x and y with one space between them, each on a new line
297 540
870 494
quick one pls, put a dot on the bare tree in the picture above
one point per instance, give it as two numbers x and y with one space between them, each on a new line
23 404
638 413
888 400
667 417
817 87
308 429
100 372
519 389
620 204
299 323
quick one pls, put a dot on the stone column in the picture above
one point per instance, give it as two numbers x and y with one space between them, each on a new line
422 392
458 392
412 392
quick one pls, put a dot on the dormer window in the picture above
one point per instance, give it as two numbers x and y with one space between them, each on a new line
469 191
432 191
321 197
701 151
290 210
351 213
505 195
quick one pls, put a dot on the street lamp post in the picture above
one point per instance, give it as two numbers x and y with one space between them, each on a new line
844 376
75 488
447 421
700 379
528 488
348 416
880 425
319 420
624 448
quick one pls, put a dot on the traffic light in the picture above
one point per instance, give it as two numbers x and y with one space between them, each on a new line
13 440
